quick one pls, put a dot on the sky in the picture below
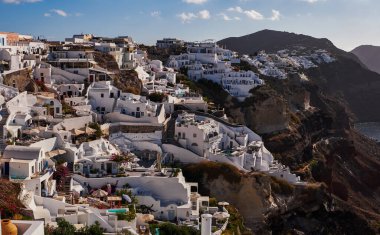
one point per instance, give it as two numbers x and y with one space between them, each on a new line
347 23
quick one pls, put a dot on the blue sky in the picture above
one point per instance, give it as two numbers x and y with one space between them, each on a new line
348 23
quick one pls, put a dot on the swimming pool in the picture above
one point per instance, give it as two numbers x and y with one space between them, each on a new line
120 210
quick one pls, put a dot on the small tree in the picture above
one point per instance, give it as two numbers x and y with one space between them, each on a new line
64 228
97 128
60 176
94 229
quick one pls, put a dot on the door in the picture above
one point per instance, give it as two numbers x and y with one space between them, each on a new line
109 168
6 168
171 215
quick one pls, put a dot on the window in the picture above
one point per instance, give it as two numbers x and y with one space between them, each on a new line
75 71
133 113
195 135
102 95
57 110
111 95
32 169
138 109
51 102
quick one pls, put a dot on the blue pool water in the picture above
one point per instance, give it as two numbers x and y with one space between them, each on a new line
121 210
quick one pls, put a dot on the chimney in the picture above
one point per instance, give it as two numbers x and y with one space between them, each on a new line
206 224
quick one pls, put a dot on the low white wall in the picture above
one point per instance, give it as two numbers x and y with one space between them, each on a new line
181 154
163 188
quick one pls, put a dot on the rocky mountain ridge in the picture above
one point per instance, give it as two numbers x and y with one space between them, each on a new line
369 55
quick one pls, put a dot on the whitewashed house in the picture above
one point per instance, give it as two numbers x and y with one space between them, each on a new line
219 141
28 165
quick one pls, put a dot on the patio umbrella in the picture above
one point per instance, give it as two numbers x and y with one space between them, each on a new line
55 152
223 203
31 131
221 215
77 132
89 131
147 217
127 198
99 193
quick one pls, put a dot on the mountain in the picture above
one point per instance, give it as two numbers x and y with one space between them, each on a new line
369 55
347 78
317 143
273 41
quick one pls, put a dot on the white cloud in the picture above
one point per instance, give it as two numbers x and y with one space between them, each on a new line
155 14
59 12
20 1
225 17
275 15
254 15
187 17
204 15
47 14
228 18
195 1
235 9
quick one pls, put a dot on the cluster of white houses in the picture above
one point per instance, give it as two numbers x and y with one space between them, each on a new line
206 60
108 138
285 62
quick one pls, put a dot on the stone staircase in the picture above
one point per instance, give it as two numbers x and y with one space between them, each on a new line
169 132
67 192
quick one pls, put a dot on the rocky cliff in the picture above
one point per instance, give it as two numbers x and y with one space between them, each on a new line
21 80
125 80
307 125
272 206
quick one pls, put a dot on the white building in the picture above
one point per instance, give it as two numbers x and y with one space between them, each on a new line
171 196
3 40
28 165
169 43
239 84
216 140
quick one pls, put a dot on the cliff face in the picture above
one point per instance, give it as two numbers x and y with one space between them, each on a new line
125 80
21 80
307 126
272 206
